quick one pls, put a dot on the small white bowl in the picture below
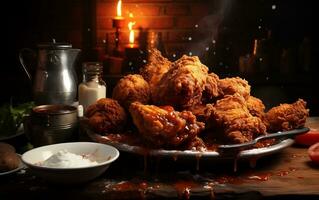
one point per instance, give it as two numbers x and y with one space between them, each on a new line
104 154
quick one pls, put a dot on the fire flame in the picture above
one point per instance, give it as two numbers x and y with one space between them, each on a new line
130 27
119 8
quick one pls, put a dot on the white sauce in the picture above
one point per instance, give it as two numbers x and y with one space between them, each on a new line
65 159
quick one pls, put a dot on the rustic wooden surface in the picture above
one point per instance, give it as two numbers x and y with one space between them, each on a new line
287 175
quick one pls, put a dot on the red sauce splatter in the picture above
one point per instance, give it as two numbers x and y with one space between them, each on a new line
183 188
282 173
260 176
124 186
141 187
292 169
226 179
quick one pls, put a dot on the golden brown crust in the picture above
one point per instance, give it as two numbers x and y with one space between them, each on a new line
232 116
106 116
183 84
131 88
230 86
256 107
164 127
211 91
287 116
156 67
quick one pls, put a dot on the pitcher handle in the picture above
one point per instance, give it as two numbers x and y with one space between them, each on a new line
25 67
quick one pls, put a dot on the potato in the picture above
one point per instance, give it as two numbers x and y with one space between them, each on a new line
9 160
4 147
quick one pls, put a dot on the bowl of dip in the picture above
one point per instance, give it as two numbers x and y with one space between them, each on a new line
70 163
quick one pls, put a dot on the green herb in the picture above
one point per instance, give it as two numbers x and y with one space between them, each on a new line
11 117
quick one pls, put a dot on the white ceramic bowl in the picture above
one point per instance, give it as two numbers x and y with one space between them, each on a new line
104 155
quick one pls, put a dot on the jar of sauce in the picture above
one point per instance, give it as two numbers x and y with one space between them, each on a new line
92 87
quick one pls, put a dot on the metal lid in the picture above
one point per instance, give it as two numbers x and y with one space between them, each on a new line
54 45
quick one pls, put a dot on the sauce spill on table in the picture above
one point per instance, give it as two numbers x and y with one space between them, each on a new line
183 188
260 176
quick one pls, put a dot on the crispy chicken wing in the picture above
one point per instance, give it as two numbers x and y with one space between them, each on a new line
211 91
156 67
106 116
131 88
164 127
256 107
287 116
232 116
202 112
183 84
230 86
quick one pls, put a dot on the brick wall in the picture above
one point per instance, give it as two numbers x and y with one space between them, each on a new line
182 23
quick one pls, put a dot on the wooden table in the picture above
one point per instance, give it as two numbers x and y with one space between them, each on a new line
287 175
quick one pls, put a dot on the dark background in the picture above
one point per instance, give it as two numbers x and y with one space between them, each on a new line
291 67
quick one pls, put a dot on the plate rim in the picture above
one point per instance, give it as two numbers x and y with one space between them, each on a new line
137 150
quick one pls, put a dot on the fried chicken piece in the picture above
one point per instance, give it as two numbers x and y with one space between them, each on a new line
232 116
131 88
211 91
106 116
287 116
196 144
183 84
202 112
156 67
256 107
164 127
230 86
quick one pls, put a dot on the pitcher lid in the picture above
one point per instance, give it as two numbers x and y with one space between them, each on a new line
51 45
54 45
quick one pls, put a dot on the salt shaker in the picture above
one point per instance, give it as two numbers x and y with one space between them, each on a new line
92 87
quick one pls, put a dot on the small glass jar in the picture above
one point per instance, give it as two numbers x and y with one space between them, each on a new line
93 87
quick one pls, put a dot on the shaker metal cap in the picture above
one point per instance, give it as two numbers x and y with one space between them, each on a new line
54 45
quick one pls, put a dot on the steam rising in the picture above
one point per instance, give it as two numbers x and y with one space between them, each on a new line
209 26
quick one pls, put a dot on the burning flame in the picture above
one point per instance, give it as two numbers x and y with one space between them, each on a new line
130 27
119 8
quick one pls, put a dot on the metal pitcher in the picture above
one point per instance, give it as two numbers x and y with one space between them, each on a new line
55 80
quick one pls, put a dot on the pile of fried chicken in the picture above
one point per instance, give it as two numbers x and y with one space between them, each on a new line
181 105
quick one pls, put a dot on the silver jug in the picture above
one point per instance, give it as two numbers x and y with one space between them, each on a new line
55 80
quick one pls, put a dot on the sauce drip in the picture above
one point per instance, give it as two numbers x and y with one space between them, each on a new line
253 162
198 156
